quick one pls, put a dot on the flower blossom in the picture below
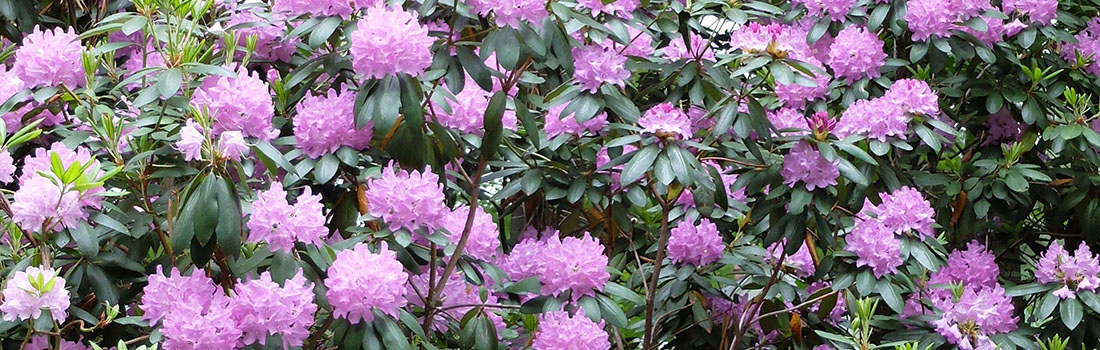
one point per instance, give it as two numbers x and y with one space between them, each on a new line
262 307
483 242
512 12
558 123
1004 128
360 281
1075 272
969 320
467 110
50 58
191 140
595 65
322 8
913 97
618 8
877 119
388 41
561 264
805 164
801 262
875 246
856 53
324 123
775 39
676 50
936 18
275 222
666 120
836 9
241 103
7 167
161 295
1087 46
1038 11
796 96
406 199
201 325
270 39
558 330
29 292
698 245
904 210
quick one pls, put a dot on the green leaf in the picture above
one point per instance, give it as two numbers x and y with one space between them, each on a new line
485 335
1090 299
105 289
323 31
168 82
87 242
326 168
494 126
890 295
134 24
611 311
623 293
206 209
391 334
1071 312
229 221
1050 301
1026 289
799 199
591 308
639 164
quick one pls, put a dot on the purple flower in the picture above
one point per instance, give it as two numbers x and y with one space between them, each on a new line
360 281
640 43
240 103
525 260
27 293
231 145
805 164
836 9
261 307
619 8
557 330
268 29
598 64
191 140
974 268
42 342
388 41
1075 272
484 241
467 110
875 246
1004 128
457 298
7 167
406 199
203 324
936 18
1038 11
836 315
802 262
904 210
856 53
50 58
275 222
777 40
162 294
1087 46
572 263
878 119
666 121
788 118
969 321
676 50
796 96
512 12
322 8
603 157
558 123
326 122
39 205
698 245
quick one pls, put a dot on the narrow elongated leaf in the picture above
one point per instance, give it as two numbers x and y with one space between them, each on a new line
639 164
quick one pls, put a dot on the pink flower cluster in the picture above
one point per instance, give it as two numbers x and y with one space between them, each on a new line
27 293
512 12
323 8
231 144
874 238
698 245
595 65
676 50
619 8
558 123
1087 46
467 109
775 39
936 18
801 262
889 116
788 118
576 264
1004 128
270 39
804 163
326 122
484 240
969 320
406 199
40 205
836 9
666 120
241 103
389 41
1075 272
275 222
360 281
49 58
1038 11
457 298
209 319
875 247
558 330
795 95
856 53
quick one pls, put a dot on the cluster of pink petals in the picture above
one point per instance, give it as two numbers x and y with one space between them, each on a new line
836 315
1004 128
804 163
270 39
484 240
262 307
324 123
698 245
467 110
561 264
49 58
241 103
42 342
676 50
558 330
801 262
40 202
595 65
640 43
406 199
162 293
389 41
903 211
788 118
856 53
231 144
360 281
512 13
836 9
974 268
774 38
558 123
913 97
1038 11
875 247
323 8
889 116
796 96
203 320
666 119
619 8
977 314
22 301
275 222
1076 272
457 298
936 18
7 167
1087 46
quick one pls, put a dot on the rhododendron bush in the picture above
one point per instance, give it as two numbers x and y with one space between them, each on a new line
562 174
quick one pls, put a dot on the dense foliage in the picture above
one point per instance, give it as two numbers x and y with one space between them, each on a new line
564 174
